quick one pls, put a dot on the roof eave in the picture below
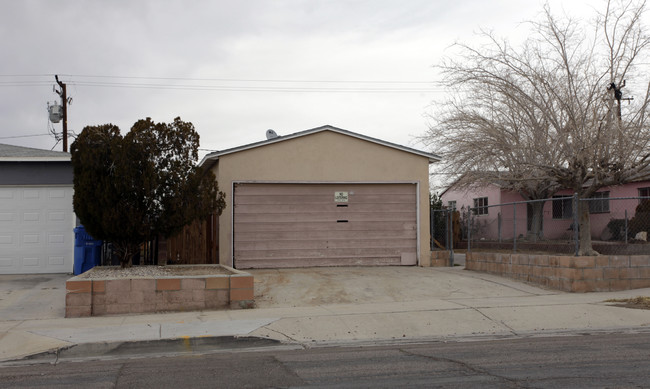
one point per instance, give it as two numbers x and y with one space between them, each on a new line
215 155
35 159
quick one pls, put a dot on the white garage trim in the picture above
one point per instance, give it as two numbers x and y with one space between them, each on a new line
416 185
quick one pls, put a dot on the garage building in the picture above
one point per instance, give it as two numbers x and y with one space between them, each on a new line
36 215
323 197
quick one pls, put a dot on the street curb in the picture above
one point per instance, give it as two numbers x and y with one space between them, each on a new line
148 348
215 344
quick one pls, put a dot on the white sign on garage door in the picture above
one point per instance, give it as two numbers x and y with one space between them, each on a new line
36 230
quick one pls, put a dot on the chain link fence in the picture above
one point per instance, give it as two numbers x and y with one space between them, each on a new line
618 226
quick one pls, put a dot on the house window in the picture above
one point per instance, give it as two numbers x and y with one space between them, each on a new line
481 206
451 205
562 207
644 192
601 205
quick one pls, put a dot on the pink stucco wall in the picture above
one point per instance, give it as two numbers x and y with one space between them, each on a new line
553 228
465 198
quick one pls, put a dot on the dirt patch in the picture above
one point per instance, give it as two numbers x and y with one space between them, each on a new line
640 302
153 271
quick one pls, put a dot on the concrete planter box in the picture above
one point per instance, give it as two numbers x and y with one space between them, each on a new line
218 287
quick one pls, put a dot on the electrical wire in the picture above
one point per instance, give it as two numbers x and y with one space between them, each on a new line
23 136
239 85
250 80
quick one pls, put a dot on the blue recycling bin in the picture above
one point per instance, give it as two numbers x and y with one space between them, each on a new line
87 251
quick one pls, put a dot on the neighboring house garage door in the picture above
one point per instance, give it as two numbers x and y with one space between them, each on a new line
36 226
299 225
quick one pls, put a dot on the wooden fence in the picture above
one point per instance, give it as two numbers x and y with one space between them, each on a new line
198 243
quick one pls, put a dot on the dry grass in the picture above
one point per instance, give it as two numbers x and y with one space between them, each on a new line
639 302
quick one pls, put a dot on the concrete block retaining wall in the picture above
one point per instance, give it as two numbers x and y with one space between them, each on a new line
569 273
98 297
440 258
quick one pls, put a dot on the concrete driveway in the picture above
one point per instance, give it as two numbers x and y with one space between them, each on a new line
37 296
367 285
42 296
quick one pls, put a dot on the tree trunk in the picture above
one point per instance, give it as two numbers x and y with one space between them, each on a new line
584 229
536 228
126 252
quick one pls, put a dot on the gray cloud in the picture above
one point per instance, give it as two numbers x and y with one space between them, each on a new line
253 40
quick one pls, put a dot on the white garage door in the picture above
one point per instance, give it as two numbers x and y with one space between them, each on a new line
299 225
36 230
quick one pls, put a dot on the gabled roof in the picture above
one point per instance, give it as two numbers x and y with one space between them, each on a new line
209 160
10 153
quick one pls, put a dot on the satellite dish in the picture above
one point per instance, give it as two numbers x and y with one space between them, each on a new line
270 134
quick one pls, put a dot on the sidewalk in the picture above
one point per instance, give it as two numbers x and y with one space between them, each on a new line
306 307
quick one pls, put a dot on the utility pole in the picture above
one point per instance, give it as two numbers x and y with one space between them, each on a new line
64 103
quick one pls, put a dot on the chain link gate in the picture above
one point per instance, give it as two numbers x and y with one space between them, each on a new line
442 232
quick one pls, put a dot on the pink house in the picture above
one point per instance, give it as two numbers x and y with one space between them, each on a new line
493 221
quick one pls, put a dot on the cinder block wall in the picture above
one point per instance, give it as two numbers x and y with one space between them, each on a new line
130 296
568 273
440 258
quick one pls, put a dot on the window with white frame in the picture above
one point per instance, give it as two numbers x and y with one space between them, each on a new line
481 206
451 205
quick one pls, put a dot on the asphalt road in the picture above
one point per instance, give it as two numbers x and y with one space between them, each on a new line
588 361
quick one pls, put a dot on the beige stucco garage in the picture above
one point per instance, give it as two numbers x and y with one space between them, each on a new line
323 197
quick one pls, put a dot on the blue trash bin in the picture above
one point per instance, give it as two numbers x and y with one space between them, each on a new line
87 251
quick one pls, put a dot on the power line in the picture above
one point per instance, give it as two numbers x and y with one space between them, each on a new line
251 88
234 85
252 80
23 136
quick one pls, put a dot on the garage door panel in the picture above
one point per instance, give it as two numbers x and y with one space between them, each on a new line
8 216
328 207
289 225
254 189
324 217
307 226
7 263
36 230
322 234
319 253
313 262
355 198
289 244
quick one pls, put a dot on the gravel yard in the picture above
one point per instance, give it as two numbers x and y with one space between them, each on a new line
152 271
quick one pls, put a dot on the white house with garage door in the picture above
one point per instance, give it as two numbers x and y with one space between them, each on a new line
323 197
36 216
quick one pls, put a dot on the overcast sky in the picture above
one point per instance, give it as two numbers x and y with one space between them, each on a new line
238 68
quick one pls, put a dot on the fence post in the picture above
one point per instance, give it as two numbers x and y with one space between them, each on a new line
469 228
576 225
447 231
432 227
514 227
499 225
450 234
626 226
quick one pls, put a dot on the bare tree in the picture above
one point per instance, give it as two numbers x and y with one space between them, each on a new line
548 114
